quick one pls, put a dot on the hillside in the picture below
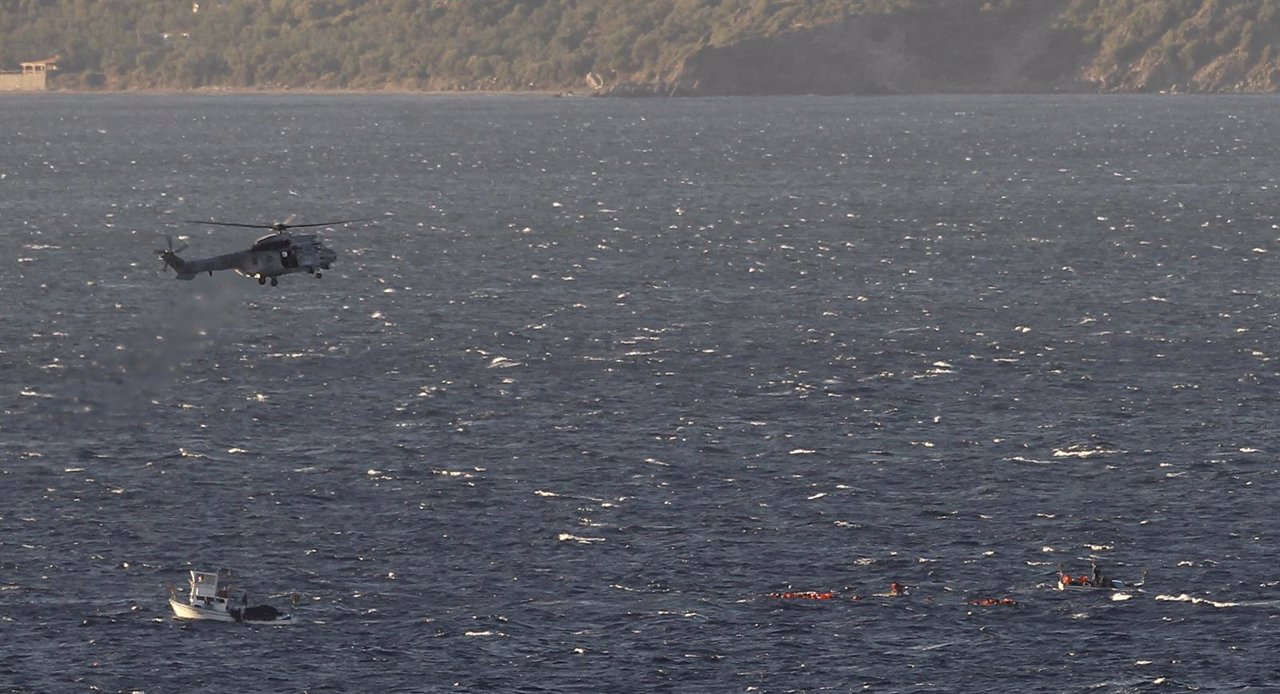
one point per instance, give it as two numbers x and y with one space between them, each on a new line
655 46
957 47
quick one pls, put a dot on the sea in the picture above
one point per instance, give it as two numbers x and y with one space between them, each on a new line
601 395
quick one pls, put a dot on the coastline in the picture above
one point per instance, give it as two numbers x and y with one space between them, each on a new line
616 94
308 91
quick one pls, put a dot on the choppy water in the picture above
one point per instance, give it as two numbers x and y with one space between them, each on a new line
604 374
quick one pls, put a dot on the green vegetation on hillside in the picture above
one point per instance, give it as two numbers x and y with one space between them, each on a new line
371 44
1203 45
557 44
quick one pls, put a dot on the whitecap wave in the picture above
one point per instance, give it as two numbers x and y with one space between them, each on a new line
569 537
1196 601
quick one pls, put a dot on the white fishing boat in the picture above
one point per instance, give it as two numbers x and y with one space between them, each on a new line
213 597
1096 583
1076 586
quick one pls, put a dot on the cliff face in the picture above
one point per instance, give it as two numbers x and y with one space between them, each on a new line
951 49
1033 46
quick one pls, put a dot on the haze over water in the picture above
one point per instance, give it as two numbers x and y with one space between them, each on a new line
605 374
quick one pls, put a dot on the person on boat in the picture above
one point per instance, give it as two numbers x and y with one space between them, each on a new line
1100 579
1064 576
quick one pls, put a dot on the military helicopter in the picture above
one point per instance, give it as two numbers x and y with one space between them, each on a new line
277 253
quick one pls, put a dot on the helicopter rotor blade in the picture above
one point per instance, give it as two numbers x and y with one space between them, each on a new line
163 253
324 224
169 252
277 227
169 242
230 224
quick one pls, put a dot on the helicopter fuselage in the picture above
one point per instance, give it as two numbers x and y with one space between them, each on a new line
270 256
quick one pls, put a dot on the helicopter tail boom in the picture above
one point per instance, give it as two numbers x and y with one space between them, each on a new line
173 260
177 264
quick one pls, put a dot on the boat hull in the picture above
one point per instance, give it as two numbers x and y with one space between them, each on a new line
1115 590
182 610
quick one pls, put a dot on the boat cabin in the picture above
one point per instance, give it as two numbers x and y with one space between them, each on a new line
209 588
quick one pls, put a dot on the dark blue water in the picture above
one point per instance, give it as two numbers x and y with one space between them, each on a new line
603 375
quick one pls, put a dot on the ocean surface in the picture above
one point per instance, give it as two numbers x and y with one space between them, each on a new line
604 378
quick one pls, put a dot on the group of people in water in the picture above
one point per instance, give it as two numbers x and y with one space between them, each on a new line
1094 579
896 589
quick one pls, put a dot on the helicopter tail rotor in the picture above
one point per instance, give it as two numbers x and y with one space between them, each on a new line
172 260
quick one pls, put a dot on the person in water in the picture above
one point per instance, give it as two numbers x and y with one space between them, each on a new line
989 602
896 588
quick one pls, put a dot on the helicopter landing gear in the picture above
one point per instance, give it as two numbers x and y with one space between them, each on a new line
275 282
262 280
319 274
